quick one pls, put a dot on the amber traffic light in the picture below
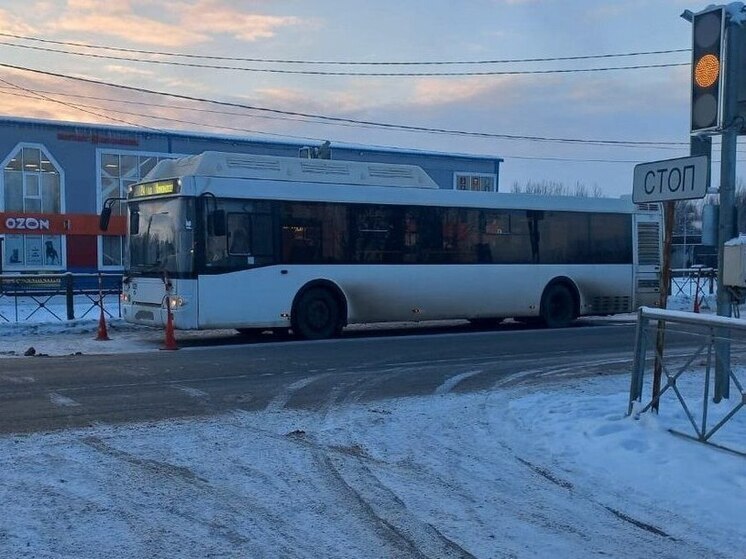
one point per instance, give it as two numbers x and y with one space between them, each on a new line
707 69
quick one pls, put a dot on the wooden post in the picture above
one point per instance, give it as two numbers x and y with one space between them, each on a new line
668 218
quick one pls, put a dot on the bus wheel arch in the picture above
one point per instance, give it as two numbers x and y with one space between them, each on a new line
560 303
319 311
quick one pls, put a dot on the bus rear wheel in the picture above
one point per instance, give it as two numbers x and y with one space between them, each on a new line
558 306
316 315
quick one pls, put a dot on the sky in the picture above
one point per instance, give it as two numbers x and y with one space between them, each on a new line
646 104
552 468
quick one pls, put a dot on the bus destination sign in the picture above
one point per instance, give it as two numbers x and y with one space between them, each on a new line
158 188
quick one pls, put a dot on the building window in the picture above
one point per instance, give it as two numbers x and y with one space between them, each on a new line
481 182
117 172
32 184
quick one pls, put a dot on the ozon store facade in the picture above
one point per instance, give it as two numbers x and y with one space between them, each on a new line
56 176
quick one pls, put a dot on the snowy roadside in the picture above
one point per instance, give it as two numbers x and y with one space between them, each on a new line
556 472
80 336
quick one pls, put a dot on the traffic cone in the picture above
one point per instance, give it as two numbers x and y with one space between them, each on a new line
170 342
102 335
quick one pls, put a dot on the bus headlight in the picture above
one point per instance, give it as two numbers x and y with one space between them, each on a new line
124 297
175 302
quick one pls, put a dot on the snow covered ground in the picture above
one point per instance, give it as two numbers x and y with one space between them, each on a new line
550 469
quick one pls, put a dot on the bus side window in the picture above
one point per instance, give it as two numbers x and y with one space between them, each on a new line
215 245
239 231
262 235
301 242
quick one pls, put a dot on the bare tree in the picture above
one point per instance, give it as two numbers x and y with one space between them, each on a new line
556 188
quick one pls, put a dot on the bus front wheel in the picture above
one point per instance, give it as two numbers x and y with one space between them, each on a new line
316 315
558 306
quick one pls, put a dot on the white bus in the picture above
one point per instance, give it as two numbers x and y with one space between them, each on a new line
257 242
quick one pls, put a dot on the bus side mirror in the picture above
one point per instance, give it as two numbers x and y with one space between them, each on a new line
134 222
217 219
103 220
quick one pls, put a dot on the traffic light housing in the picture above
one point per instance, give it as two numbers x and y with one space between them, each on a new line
708 30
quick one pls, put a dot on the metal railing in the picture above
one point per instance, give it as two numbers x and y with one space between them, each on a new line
711 342
695 281
23 297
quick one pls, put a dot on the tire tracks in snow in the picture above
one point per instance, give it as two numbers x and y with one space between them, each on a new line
378 506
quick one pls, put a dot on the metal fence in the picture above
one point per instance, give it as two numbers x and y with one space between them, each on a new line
29 297
698 368
692 281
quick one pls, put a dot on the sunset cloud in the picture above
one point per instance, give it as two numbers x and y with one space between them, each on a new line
117 20
215 17
118 69
179 24
445 91
10 23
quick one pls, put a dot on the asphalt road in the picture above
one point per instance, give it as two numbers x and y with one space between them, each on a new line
50 393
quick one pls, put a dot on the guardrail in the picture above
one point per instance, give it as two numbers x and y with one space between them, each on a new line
714 340
23 296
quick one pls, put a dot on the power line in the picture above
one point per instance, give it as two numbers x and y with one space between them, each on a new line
345 62
272 117
74 106
223 127
81 107
332 119
353 74
200 110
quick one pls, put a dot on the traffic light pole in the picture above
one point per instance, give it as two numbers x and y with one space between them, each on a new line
727 227
725 233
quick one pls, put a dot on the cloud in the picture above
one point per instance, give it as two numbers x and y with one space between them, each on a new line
12 24
117 20
211 17
17 101
447 91
128 70
177 24
651 89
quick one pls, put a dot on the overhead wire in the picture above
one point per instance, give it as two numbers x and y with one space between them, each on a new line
332 119
314 118
231 128
348 74
81 107
344 62
273 117
295 137
74 106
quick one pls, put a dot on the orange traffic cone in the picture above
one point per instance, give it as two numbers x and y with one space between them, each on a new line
102 335
170 342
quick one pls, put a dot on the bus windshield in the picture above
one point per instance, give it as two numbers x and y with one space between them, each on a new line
161 237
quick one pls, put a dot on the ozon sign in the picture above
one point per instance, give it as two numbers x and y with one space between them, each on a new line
26 224
684 178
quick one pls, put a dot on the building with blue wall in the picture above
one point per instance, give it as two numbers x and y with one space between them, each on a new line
56 176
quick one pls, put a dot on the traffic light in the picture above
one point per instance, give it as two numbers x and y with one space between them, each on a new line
707 69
